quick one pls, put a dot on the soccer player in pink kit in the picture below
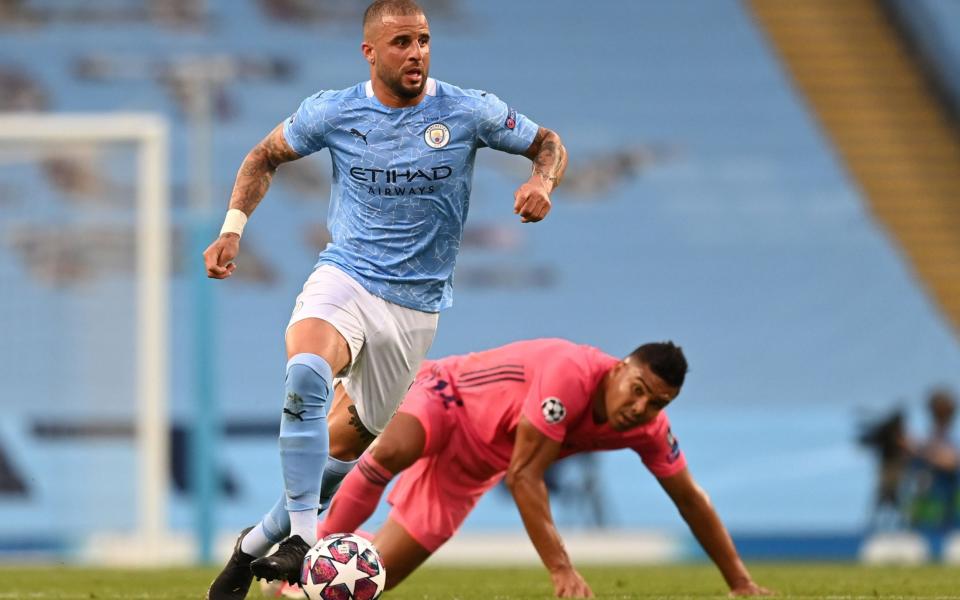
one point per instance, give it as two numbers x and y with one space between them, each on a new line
470 420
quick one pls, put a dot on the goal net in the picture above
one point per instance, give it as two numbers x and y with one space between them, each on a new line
84 274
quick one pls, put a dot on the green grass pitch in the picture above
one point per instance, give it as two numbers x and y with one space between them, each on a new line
833 581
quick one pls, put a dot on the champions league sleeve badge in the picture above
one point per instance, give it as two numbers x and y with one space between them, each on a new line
437 135
511 121
553 410
674 446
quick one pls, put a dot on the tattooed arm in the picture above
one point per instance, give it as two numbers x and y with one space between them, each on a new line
549 156
256 172
253 180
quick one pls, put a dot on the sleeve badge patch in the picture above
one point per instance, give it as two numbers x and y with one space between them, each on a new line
511 121
674 447
553 410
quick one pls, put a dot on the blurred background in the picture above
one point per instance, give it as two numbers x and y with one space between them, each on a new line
773 185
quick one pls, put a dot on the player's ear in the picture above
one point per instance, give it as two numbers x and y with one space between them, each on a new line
368 53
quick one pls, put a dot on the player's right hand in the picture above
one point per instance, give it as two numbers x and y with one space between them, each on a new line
568 583
219 256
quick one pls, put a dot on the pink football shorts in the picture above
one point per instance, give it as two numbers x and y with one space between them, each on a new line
432 498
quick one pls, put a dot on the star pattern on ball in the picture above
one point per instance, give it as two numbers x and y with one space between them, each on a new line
348 574
343 567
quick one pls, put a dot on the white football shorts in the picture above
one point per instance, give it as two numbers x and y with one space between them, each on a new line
387 341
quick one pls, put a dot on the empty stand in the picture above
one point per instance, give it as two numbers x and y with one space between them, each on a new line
891 130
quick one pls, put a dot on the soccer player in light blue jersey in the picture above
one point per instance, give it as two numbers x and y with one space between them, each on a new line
403 147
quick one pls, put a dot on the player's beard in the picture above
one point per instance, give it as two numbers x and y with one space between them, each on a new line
395 83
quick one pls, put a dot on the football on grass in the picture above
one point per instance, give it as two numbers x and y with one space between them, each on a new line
342 566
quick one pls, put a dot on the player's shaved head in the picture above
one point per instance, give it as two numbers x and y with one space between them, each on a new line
396 44
665 359
388 8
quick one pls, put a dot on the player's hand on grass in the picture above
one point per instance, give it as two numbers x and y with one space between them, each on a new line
750 589
531 201
567 583
219 256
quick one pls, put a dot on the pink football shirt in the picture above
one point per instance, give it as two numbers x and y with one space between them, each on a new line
551 382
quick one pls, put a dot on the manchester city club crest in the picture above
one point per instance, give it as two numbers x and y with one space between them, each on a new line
437 135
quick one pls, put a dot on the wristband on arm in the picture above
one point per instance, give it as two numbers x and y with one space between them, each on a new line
234 222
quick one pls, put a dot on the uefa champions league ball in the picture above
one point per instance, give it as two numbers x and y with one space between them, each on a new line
342 566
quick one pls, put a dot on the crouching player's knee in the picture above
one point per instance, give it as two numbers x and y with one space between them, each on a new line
401 444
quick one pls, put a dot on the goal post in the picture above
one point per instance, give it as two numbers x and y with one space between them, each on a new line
152 240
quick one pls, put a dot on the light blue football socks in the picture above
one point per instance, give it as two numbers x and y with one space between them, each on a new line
271 530
333 474
304 441
275 525
304 444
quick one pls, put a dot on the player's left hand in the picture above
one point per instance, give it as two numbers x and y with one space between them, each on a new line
531 201
568 583
750 589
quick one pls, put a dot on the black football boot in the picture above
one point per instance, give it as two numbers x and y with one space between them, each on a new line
233 582
284 564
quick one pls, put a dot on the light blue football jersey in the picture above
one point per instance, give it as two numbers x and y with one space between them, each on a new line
401 181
